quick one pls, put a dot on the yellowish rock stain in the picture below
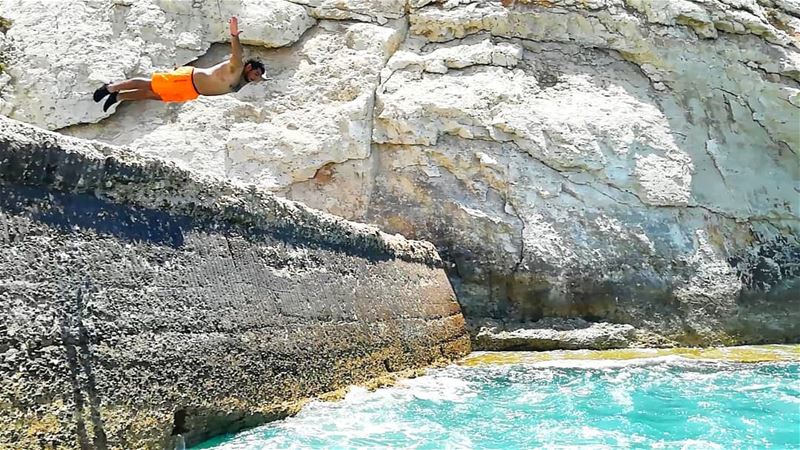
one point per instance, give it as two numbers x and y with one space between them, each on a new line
744 354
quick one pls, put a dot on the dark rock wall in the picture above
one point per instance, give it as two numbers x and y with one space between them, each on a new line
139 300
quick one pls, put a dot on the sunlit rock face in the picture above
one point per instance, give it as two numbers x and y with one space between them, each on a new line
60 51
629 162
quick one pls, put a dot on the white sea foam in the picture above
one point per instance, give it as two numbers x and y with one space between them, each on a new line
532 398
688 444
440 389
622 398
611 363
755 387
667 402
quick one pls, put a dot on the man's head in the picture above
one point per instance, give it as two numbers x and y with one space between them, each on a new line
253 70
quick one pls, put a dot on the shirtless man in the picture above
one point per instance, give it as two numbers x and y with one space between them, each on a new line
187 83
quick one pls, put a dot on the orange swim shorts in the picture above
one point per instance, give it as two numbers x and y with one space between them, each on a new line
175 86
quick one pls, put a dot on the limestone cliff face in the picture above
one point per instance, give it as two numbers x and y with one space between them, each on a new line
625 161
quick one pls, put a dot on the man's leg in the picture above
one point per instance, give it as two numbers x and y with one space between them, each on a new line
136 94
127 85
130 85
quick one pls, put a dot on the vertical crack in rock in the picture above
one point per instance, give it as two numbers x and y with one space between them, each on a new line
378 83
757 119
518 266
711 148
77 345
230 250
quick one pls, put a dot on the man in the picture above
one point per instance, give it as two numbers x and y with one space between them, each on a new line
187 83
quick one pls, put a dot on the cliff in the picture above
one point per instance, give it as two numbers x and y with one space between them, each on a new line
629 166
140 299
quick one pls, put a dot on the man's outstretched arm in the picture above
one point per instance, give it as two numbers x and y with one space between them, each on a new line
236 46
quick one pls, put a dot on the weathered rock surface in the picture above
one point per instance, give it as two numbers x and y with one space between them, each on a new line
379 11
555 334
140 299
623 161
278 136
61 51
611 171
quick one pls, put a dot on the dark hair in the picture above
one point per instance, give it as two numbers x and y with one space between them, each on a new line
256 65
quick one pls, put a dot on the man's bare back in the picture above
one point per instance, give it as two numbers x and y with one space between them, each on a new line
187 83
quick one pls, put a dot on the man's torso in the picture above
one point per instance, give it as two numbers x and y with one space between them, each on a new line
217 80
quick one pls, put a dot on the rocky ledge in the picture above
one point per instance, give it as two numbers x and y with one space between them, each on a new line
562 334
140 300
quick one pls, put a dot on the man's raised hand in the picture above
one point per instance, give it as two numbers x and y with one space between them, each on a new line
234 22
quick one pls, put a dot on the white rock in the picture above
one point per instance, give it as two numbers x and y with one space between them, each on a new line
62 50
315 109
379 11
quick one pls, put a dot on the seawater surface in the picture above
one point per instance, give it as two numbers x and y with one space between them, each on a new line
745 397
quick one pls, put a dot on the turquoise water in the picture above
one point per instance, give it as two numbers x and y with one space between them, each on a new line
664 403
